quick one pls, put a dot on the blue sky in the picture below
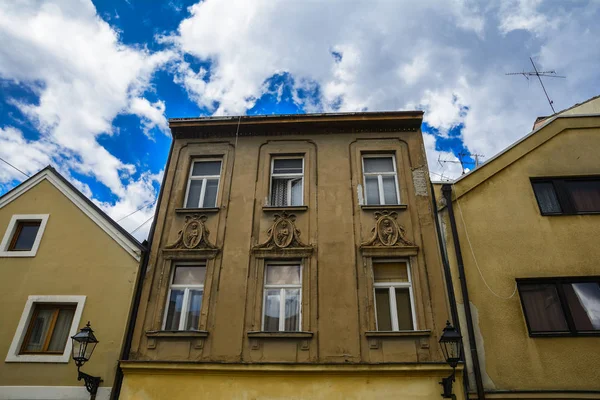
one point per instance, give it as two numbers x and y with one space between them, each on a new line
89 86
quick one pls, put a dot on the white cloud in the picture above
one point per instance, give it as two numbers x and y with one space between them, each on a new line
84 76
447 57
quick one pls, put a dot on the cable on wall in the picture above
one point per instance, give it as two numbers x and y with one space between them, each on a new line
477 264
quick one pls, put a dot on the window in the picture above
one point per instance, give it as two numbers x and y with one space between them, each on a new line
287 181
185 297
23 235
380 180
44 330
203 184
561 306
282 297
48 329
394 308
558 196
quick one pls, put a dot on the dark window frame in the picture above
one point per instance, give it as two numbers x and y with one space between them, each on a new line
18 229
558 282
562 194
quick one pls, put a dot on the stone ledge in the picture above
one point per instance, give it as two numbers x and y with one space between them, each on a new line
393 334
177 334
279 335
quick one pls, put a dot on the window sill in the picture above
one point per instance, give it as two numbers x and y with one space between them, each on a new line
8 254
177 334
280 335
392 334
287 208
197 210
563 334
384 207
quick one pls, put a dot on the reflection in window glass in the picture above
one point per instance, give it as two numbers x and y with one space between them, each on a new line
282 297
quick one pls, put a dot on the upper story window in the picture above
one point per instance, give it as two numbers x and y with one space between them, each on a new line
184 300
559 196
48 329
203 184
282 297
287 182
380 180
394 304
561 306
23 235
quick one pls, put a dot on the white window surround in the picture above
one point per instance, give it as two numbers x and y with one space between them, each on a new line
392 293
15 347
380 176
282 288
10 231
289 176
204 179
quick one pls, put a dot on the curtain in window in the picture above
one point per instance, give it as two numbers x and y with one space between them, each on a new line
585 195
292 309
389 189
279 192
61 330
546 197
39 330
372 190
543 309
193 317
272 304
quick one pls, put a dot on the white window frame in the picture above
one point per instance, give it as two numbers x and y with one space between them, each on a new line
17 342
186 294
282 288
287 176
204 179
392 286
11 230
380 176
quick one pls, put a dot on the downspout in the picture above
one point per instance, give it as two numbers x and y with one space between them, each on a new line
447 192
116 392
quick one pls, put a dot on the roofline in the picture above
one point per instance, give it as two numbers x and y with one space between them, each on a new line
296 118
497 155
83 197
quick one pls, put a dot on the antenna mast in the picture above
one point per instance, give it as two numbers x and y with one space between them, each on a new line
539 74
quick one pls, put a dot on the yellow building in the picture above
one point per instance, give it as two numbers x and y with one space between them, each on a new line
63 262
293 257
522 235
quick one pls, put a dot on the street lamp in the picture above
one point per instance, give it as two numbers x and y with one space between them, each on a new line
451 344
84 343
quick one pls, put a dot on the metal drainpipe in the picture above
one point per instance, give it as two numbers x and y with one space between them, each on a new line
447 192
116 392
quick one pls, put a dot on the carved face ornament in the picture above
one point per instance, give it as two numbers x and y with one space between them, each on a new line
387 230
283 236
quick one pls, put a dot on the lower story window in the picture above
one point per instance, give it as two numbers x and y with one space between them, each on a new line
393 295
185 297
48 329
282 297
561 306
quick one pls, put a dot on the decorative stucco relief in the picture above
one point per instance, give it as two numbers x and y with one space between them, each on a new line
193 235
283 234
387 232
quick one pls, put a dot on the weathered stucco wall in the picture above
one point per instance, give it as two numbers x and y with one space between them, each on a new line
510 239
75 257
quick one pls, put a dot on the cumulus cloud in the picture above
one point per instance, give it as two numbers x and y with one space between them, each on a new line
448 58
84 77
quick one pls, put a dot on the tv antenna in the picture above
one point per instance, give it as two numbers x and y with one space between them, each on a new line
539 74
462 160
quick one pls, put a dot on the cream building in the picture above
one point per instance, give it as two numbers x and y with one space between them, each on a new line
523 231
63 262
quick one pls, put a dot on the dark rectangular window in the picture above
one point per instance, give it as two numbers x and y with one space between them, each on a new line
561 306
564 196
24 236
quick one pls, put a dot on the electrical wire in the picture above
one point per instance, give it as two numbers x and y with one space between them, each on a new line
143 223
476 263
139 209
2 159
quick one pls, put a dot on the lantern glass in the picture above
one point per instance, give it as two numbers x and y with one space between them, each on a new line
451 344
84 343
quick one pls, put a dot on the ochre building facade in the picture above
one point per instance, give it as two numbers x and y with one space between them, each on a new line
527 228
293 257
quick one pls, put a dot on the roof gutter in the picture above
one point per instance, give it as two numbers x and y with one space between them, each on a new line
447 192
116 392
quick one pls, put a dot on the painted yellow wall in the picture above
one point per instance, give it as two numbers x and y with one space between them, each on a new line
75 257
270 383
510 239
